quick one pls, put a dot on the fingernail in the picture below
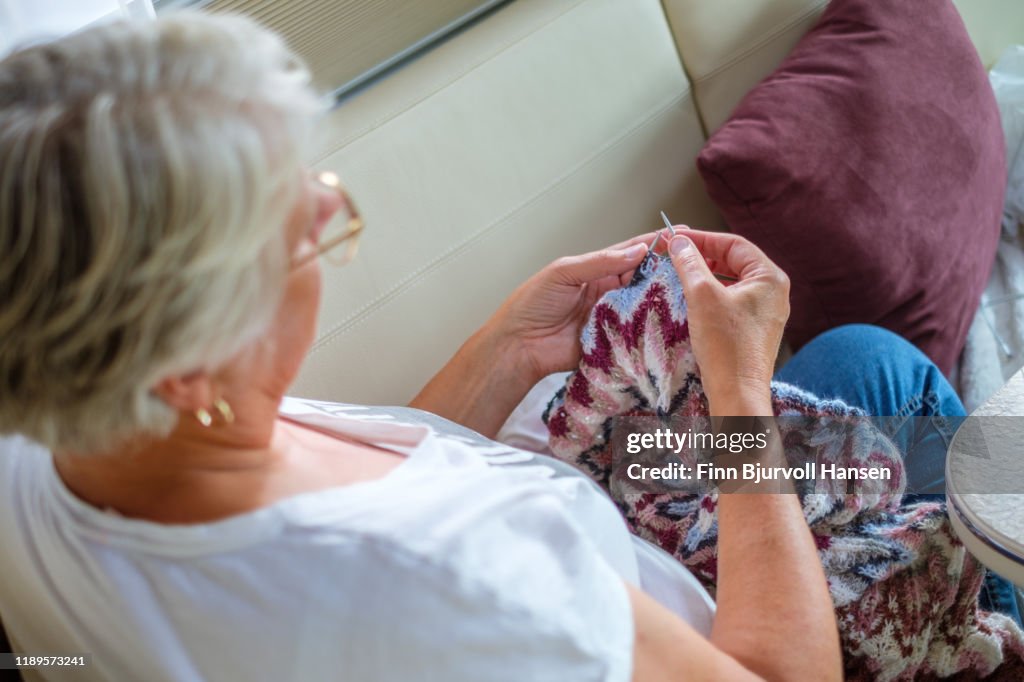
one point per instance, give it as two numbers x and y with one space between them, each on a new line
678 244
635 250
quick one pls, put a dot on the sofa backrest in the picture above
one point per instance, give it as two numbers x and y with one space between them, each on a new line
546 129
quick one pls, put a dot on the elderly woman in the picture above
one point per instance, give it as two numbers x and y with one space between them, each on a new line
160 285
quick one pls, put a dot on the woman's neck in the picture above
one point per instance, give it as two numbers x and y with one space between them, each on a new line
143 478
203 476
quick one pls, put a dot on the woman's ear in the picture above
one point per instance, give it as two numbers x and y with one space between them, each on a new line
187 393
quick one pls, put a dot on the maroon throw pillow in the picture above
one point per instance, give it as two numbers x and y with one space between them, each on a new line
870 166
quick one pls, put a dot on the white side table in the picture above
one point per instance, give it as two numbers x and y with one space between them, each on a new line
985 482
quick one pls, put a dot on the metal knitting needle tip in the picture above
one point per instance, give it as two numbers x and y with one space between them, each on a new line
657 238
668 223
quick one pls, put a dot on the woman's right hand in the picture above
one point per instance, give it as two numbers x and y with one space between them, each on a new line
772 592
735 328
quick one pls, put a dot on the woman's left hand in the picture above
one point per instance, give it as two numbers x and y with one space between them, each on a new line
544 317
535 332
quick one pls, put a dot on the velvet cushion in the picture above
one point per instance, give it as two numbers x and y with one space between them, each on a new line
870 166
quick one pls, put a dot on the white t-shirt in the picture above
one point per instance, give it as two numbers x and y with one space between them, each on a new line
468 561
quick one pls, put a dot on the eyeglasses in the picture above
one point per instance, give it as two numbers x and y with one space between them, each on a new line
343 228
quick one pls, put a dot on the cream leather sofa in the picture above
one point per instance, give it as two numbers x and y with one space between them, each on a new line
550 127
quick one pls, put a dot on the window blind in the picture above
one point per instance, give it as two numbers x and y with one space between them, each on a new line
347 42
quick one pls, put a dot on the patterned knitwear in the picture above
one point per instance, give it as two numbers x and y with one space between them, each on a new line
904 589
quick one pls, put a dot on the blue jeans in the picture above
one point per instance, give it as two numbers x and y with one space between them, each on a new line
883 374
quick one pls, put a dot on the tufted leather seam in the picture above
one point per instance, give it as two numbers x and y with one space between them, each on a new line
412 279
768 38
408 106
685 67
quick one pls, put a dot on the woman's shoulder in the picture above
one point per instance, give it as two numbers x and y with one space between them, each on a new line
494 553
22 461
464 576
495 612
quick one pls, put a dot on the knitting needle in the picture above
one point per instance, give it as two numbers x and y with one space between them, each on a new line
672 230
668 224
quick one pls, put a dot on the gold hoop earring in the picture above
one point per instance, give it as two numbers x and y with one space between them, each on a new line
203 417
225 410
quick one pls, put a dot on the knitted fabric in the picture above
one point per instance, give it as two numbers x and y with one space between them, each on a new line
904 589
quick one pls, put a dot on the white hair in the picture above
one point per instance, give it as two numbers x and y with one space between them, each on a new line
146 173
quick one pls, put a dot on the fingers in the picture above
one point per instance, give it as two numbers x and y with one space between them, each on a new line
693 270
721 252
592 266
733 254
